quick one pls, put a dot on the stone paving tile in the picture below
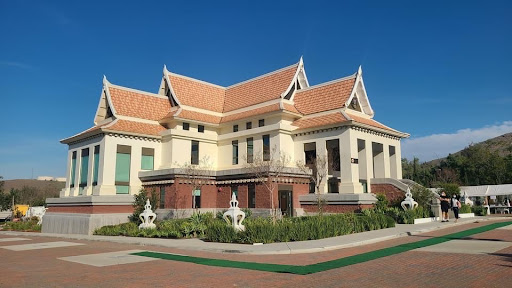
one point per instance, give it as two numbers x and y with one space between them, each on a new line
44 245
2 240
409 269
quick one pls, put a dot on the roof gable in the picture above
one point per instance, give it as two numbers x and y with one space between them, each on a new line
138 104
258 90
196 93
324 97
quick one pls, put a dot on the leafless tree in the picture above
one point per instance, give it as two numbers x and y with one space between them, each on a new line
198 175
317 169
266 169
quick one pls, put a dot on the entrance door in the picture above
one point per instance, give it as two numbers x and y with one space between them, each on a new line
285 202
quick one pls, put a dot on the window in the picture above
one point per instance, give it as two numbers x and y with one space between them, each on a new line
266 147
73 169
333 155
333 186
235 128
96 165
123 169
250 150
186 126
251 191
194 156
234 189
148 159
312 187
196 198
161 203
310 154
84 170
200 128
261 122
248 125
234 143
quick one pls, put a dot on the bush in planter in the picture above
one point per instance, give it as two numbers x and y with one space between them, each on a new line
29 225
465 208
479 210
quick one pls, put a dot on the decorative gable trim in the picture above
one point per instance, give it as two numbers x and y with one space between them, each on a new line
362 97
292 88
105 98
172 94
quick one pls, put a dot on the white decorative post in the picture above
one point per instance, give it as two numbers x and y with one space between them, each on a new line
237 215
466 199
147 217
409 203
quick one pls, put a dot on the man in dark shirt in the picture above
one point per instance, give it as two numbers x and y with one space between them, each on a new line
445 206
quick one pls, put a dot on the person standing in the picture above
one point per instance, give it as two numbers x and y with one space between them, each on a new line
445 206
455 207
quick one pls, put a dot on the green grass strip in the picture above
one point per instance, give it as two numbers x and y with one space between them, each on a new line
323 266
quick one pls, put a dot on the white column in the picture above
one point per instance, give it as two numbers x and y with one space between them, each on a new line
349 171
386 159
378 160
321 151
90 166
398 154
65 192
366 163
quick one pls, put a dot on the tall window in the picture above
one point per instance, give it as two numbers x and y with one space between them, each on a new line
234 143
73 169
333 155
235 128
248 125
96 165
162 197
200 128
251 195
148 159
84 169
250 149
266 147
123 160
261 122
234 189
186 126
196 198
194 156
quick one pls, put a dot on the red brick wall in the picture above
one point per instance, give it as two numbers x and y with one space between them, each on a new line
392 193
224 196
90 209
337 208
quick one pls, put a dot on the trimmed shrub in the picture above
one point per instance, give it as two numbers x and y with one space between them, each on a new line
479 210
465 208
26 226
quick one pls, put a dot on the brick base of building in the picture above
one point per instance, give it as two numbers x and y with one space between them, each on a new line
336 208
393 194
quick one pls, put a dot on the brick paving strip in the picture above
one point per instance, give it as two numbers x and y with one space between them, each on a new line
323 266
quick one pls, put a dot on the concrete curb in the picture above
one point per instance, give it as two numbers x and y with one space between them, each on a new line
313 246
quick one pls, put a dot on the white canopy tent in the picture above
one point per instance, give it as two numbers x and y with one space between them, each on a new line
486 190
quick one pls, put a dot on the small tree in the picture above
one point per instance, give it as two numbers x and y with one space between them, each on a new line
317 171
266 169
198 175
422 195
140 201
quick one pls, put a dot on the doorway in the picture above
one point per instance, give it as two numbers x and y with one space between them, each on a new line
285 202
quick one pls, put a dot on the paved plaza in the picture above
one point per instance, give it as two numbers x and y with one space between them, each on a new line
473 253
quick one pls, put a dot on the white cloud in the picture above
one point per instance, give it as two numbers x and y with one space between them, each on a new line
440 145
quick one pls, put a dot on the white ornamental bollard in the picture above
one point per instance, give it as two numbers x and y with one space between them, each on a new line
409 203
147 217
237 215
37 211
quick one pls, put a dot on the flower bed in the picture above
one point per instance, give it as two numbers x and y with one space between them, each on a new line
257 230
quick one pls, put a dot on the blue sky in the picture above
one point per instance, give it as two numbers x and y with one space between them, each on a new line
439 70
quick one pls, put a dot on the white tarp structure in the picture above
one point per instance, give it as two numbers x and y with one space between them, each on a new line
486 190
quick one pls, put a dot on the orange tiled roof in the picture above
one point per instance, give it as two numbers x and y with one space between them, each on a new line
138 105
323 120
197 116
135 127
370 122
291 108
259 90
253 112
324 97
197 94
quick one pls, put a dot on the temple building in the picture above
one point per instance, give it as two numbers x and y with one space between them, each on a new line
194 143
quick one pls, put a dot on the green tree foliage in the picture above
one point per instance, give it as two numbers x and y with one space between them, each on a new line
450 189
140 201
475 165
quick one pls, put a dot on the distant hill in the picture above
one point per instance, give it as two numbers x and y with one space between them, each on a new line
501 144
50 187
